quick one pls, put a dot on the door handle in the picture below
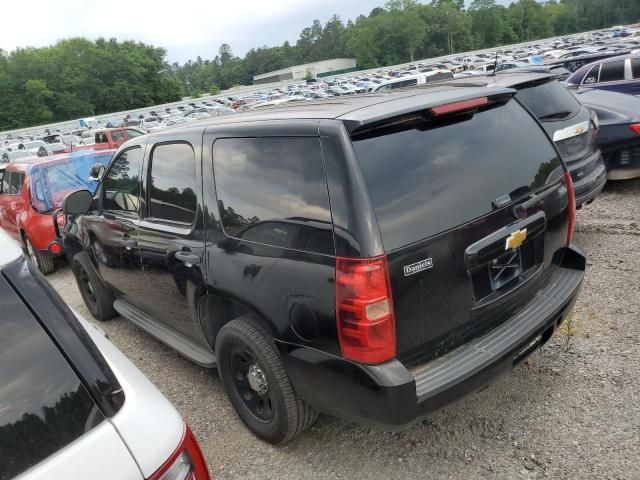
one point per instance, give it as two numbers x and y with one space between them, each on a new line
128 242
188 258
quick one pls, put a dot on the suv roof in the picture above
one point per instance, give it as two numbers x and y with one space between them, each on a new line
357 111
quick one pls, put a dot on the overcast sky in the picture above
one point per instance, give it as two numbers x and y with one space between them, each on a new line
185 28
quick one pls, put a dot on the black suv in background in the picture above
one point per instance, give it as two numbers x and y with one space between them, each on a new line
375 257
572 126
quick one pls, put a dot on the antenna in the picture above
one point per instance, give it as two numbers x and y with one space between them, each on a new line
495 63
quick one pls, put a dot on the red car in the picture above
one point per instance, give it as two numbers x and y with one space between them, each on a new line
32 189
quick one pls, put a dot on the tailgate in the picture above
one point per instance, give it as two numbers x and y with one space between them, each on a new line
472 210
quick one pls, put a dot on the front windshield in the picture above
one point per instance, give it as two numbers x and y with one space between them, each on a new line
51 182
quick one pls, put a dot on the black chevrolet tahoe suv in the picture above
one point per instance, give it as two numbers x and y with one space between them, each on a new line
572 126
374 257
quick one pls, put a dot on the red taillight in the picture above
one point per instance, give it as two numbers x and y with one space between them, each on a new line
635 127
457 107
186 463
364 310
55 248
572 206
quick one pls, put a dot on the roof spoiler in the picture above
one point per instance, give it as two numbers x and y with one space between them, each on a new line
412 107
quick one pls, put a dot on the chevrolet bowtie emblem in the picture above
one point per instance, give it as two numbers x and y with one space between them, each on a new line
579 130
516 239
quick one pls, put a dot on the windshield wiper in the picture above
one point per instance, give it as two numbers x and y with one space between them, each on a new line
558 115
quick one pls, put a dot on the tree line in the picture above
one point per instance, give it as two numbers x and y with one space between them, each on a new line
78 77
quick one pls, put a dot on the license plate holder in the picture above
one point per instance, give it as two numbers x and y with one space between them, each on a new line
505 269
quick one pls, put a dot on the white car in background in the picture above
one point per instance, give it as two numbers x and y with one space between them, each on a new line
71 405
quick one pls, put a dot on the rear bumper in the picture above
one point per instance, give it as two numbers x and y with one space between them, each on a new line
589 187
391 395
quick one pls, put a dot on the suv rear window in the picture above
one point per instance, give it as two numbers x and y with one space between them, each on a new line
549 100
273 191
43 404
424 179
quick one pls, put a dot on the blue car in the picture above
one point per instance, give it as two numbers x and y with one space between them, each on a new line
616 74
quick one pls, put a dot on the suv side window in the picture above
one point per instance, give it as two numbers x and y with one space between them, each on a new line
12 183
117 135
121 185
635 67
172 174
273 191
592 76
612 71
4 190
131 133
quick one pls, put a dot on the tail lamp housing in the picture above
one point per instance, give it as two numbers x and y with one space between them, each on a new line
185 463
635 127
568 181
364 310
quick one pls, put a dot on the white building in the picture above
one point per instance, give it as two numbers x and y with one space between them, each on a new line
322 68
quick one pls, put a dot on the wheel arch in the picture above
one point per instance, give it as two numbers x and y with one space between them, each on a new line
217 309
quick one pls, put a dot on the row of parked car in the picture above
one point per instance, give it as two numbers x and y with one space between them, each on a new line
374 257
562 56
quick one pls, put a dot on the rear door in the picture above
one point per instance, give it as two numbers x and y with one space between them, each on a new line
172 235
446 192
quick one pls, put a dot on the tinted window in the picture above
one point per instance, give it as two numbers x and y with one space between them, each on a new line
405 83
172 183
635 67
43 405
423 180
5 182
612 71
12 183
549 100
273 191
133 133
121 186
117 136
592 76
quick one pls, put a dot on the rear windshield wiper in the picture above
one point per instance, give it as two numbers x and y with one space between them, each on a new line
558 115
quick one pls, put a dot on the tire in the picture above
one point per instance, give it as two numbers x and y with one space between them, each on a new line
283 415
42 261
96 297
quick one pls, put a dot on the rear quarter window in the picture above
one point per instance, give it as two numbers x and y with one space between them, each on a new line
273 191
426 178
612 71
635 67
43 404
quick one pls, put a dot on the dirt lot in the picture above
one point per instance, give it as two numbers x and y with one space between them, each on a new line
572 411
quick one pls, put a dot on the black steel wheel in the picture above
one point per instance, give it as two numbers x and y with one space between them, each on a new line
97 298
251 383
257 384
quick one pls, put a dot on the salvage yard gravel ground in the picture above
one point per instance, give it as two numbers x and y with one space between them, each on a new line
571 411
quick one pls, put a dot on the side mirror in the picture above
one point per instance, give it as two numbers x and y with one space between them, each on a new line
96 172
77 203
